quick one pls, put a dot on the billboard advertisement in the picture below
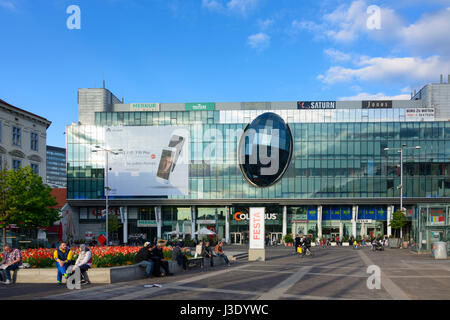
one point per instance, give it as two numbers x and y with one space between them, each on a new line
418 114
153 161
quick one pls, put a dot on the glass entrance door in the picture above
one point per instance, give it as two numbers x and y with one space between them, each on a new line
301 229
236 237
334 235
275 238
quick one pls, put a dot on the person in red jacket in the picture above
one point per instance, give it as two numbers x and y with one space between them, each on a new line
101 239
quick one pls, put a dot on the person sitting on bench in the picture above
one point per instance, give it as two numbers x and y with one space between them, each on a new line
157 257
179 256
12 259
207 252
143 258
84 262
63 258
219 251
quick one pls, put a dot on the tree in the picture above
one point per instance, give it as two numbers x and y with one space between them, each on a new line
113 224
26 201
398 220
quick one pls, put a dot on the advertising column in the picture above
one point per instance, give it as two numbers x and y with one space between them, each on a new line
256 251
284 222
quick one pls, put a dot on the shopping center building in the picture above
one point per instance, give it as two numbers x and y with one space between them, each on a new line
179 167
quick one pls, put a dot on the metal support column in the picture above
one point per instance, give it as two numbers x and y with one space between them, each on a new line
284 222
227 224
158 221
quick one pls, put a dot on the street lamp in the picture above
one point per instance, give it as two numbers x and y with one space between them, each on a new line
107 188
400 150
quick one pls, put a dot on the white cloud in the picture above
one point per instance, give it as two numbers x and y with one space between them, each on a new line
337 55
378 96
429 33
213 5
259 41
347 22
8 5
241 7
265 24
381 69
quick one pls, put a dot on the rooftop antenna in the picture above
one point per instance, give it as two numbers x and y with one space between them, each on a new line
103 80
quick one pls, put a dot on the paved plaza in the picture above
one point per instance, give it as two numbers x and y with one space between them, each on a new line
332 273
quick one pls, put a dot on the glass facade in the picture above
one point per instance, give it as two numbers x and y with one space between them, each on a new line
56 167
337 155
330 159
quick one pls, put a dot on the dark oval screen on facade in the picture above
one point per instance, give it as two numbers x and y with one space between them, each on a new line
265 150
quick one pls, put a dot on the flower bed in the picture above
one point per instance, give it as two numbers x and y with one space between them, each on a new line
101 256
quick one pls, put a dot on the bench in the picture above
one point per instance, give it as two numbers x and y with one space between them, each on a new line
192 262
14 275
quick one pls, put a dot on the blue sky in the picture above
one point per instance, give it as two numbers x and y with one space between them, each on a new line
217 50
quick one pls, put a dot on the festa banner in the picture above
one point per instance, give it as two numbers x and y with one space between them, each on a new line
257 232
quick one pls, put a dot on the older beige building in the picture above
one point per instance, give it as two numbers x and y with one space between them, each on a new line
23 138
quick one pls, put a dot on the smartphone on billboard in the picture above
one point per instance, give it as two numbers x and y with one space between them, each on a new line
176 142
166 164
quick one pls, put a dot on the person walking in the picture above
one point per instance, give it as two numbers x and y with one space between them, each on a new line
219 252
63 257
12 259
84 262
143 257
297 242
306 245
